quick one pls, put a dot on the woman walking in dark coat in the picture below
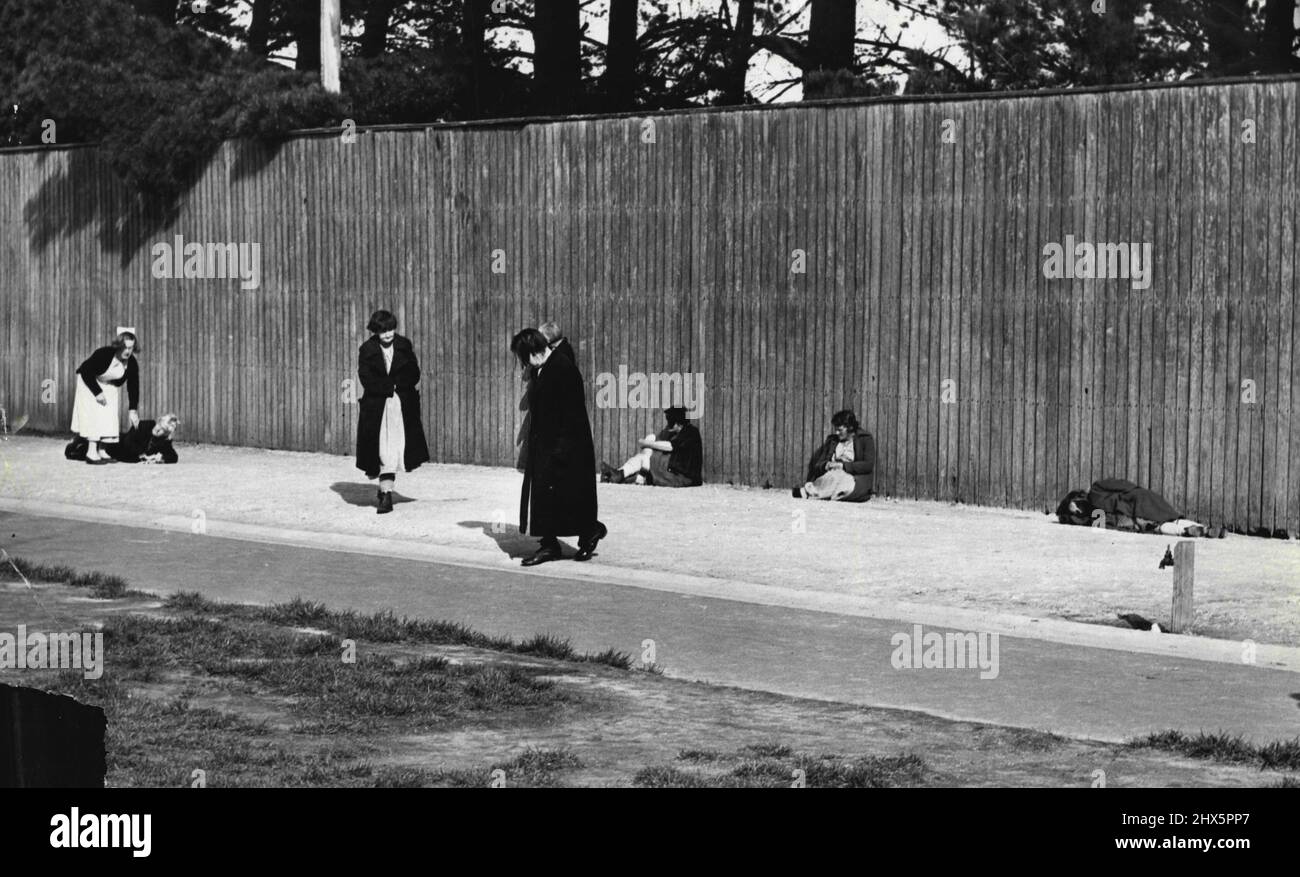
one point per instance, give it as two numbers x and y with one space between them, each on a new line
95 406
390 436
559 491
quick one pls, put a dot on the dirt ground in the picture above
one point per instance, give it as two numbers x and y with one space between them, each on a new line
622 722
920 552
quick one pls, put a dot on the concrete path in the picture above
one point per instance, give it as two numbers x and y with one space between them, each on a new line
1093 691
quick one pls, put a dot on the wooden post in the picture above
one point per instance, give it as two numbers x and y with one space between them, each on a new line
330 48
1180 618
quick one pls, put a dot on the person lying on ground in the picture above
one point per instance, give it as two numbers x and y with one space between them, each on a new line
843 467
1125 506
146 442
673 458
150 442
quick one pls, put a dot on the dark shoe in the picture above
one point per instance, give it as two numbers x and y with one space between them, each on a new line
96 461
385 502
542 555
587 546
796 492
606 473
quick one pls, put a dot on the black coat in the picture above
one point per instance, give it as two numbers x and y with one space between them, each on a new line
560 473
565 348
687 458
98 362
140 442
379 384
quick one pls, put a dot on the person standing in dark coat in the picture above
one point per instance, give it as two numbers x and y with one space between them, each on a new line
390 435
558 497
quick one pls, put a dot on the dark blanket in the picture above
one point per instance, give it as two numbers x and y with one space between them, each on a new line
1123 499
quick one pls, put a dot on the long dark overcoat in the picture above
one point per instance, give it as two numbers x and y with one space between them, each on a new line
559 492
379 384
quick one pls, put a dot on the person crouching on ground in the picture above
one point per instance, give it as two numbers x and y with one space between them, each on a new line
558 497
843 467
95 406
148 442
674 458
390 436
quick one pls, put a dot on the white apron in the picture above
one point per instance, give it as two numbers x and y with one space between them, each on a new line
392 431
92 421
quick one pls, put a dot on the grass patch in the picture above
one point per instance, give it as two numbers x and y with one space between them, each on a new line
1226 748
386 627
532 768
773 765
235 695
98 584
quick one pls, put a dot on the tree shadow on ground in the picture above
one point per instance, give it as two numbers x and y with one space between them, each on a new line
510 540
355 493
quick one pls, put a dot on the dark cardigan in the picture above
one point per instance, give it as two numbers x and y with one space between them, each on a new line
98 363
862 467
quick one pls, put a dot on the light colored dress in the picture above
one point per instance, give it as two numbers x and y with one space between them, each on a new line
392 431
95 422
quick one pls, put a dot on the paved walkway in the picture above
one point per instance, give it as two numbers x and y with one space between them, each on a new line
770 644
877 554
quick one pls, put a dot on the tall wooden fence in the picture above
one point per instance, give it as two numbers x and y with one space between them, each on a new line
887 256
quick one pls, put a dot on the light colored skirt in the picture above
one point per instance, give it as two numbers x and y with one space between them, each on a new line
92 421
392 438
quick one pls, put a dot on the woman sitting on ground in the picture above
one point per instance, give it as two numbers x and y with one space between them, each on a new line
843 467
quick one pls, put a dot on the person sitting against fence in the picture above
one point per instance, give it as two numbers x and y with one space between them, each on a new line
673 458
1118 504
842 469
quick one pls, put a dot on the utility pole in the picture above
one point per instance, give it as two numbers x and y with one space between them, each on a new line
331 54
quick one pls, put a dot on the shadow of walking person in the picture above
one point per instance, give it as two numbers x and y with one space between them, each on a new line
509 539
359 494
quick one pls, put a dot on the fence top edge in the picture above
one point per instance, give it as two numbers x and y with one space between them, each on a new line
518 122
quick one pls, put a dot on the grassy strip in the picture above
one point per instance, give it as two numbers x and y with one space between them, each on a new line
1226 748
385 627
382 627
776 766
99 584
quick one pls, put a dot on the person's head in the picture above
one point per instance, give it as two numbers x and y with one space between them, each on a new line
383 324
126 345
551 332
167 426
844 423
530 347
676 417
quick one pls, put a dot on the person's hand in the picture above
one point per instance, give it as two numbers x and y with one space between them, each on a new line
101 400
151 458
134 417
834 464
